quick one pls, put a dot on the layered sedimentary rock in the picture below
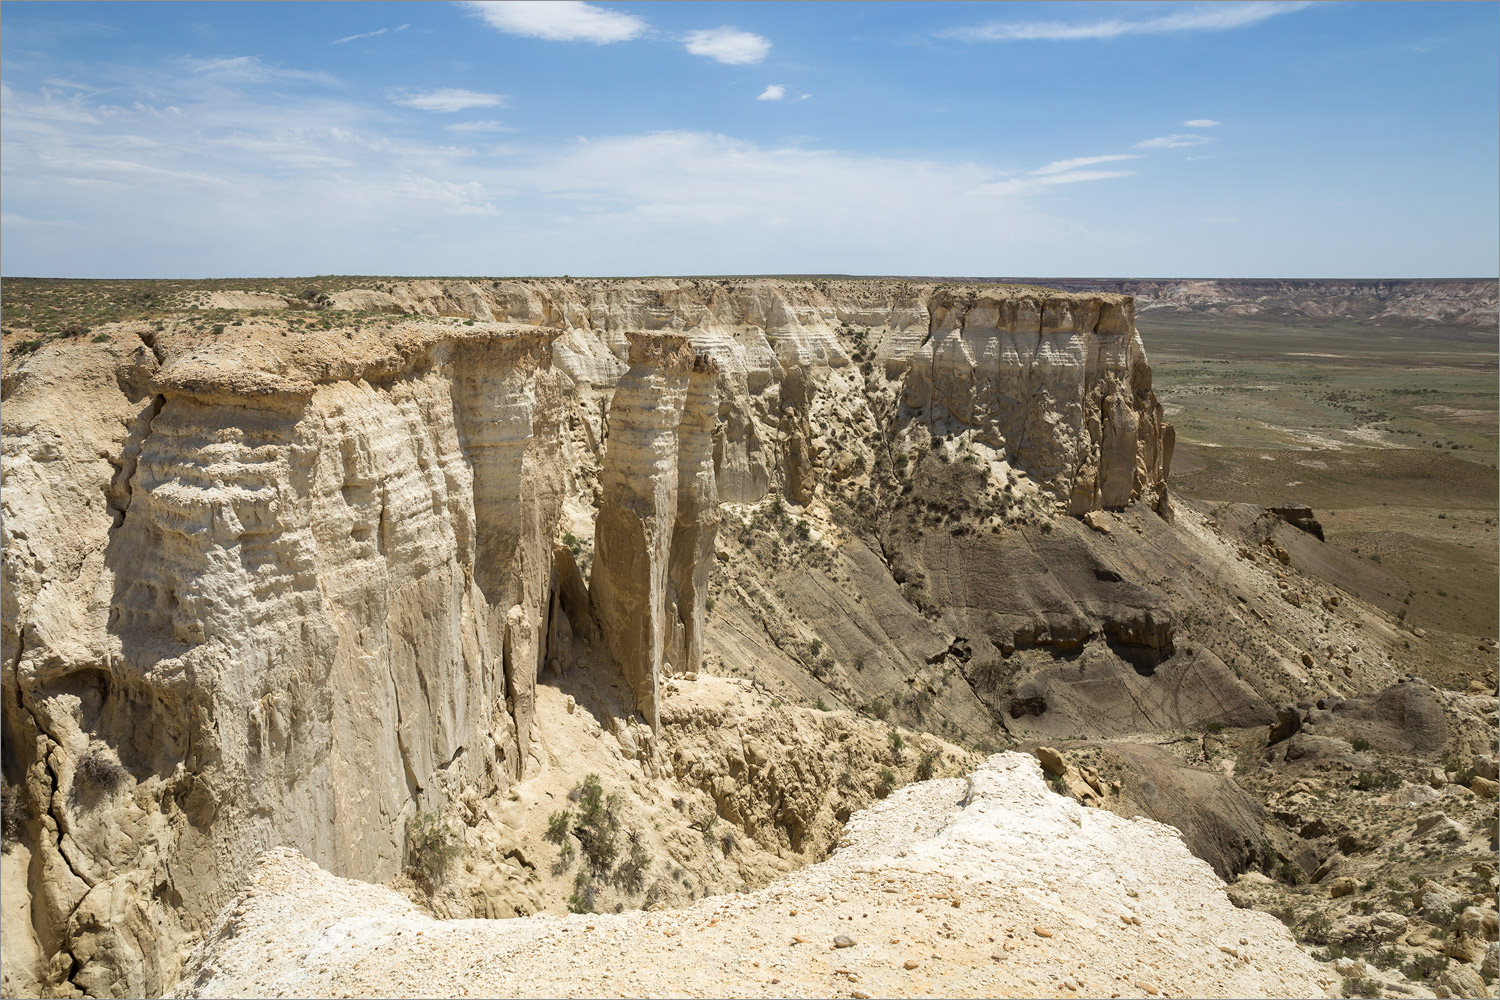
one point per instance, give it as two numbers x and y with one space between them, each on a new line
654 535
266 585
1059 385
1056 384
283 612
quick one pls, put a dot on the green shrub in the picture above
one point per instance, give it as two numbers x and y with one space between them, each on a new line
557 826
926 766
1425 966
1360 744
897 743
101 338
887 783
585 894
431 848
598 824
1367 781
879 708
631 873
13 813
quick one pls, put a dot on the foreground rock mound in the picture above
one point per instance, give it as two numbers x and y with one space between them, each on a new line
994 887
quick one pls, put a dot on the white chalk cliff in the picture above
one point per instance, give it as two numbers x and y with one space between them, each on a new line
266 590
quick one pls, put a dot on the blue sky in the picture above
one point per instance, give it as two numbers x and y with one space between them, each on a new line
1122 139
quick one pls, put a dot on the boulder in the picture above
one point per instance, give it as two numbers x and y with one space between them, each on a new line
1288 722
1299 515
1480 923
1459 981
1052 762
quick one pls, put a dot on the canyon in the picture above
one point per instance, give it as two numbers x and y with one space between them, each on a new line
349 569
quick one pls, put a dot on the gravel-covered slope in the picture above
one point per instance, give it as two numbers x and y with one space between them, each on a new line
990 887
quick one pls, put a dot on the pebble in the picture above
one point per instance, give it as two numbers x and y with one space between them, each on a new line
843 941
910 963
1042 931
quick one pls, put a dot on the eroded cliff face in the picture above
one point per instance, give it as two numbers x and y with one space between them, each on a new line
246 608
654 537
268 586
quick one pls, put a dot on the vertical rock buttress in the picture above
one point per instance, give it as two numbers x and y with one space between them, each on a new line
655 532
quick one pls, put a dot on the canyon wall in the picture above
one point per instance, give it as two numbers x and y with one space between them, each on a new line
244 608
654 535
268 585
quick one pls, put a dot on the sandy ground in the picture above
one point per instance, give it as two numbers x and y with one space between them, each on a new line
990 886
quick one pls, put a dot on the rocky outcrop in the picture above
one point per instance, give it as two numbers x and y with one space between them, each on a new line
1300 516
273 584
1052 384
1059 386
654 536
251 608
997 856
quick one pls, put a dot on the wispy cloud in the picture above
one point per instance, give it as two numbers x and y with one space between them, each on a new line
1194 17
728 45
1078 176
774 92
480 126
1173 141
1201 123
1063 166
183 156
251 69
559 20
367 34
446 99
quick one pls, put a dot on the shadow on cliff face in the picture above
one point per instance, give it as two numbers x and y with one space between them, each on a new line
1070 631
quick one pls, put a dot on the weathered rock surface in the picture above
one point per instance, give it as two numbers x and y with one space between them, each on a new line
247 608
272 585
1017 884
654 537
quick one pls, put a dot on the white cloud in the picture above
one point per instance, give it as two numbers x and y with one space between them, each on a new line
1201 123
249 69
1194 17
480 126
313 184
1062 166
774 92
447 99
1075 176
559 20
367 34
728 45
1172 141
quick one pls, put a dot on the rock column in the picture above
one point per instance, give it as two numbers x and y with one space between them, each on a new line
655 531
